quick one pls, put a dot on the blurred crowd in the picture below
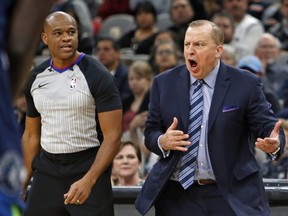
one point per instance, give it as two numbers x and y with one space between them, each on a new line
256 39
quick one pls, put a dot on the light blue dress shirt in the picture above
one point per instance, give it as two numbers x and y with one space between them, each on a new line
203 168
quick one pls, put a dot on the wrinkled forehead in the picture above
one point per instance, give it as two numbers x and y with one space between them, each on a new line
205 30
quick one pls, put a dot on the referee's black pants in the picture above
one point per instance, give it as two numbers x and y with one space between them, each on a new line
53 175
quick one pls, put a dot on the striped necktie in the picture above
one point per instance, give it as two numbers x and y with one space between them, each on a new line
188 159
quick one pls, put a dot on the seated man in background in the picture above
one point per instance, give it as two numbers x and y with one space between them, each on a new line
108 53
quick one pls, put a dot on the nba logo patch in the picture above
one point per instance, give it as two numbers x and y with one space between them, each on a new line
73 84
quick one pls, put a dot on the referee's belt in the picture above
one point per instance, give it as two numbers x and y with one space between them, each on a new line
68 158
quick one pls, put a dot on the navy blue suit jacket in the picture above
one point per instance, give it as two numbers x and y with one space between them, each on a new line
238 111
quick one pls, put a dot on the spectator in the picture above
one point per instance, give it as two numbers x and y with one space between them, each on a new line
135 108
212 7
280 30
268 50
161 6
256 8
248 29
227 25
139 79
272 15
136 130
165 35
199 9
181 13
127 165
228 56
141 39
165 55
253 64
108 53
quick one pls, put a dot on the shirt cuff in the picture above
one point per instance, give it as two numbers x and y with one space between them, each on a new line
274 154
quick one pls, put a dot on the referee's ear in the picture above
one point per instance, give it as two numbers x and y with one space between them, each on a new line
44 37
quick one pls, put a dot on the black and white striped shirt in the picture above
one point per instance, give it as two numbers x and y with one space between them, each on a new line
68 100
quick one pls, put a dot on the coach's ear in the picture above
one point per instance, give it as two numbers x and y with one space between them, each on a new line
219 51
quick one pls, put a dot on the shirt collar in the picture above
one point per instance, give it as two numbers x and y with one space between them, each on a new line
210 79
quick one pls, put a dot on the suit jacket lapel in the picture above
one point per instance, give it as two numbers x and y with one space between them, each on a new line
182 88
221 87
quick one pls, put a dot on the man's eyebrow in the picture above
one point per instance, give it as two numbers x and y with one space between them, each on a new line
60 29
56 29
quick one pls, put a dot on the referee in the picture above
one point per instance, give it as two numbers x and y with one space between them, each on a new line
73 128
